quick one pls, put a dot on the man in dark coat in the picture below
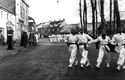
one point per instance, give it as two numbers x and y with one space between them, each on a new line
10 38
25 38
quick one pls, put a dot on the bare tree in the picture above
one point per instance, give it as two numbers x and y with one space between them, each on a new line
85 17
93 16
116 16
96 17
80 10
102 14
117 13
111 27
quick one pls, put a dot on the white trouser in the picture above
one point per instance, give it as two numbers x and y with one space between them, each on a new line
54 40
73 51
58 39
121 59
84 54
102 52
50 39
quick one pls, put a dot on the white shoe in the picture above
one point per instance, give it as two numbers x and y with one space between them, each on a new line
108 66
70 65
82 66
118 68
76 62
97 66
123 67
88 64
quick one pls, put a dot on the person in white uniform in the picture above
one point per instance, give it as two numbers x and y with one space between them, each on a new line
72 43
103 49
37 37
123 67
119 39
83 40
50 38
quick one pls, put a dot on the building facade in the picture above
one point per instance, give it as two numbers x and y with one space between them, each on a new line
13 13
31 24
21 17
7 17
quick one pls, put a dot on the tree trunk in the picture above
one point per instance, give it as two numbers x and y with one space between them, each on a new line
93 16
85 17
111 27
117 14
80 10
102 14
96 17
114 22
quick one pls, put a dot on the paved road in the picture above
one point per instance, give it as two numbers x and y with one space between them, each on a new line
49 62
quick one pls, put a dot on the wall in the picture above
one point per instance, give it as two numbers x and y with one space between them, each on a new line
21 17
4 18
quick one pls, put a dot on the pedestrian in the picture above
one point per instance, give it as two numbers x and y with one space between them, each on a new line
72 44
25 39
119 39
31 38
37 37
104 49
83 40
50 38
10 38
21 41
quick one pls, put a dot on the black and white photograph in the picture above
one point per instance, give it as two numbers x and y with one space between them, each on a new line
62 39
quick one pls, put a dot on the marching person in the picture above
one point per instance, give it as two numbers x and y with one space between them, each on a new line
103 49
119 39
36 37
123 67
50 39
83 40
72 43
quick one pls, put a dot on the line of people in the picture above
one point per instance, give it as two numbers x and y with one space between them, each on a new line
80 42
57 38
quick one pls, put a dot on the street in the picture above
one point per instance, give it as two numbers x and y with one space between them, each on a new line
49 61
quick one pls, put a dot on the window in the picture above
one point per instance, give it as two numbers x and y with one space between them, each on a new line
23 13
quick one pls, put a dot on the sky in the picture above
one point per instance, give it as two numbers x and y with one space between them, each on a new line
49 10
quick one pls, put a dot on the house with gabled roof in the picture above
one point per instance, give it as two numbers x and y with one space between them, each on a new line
16 13
7 18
